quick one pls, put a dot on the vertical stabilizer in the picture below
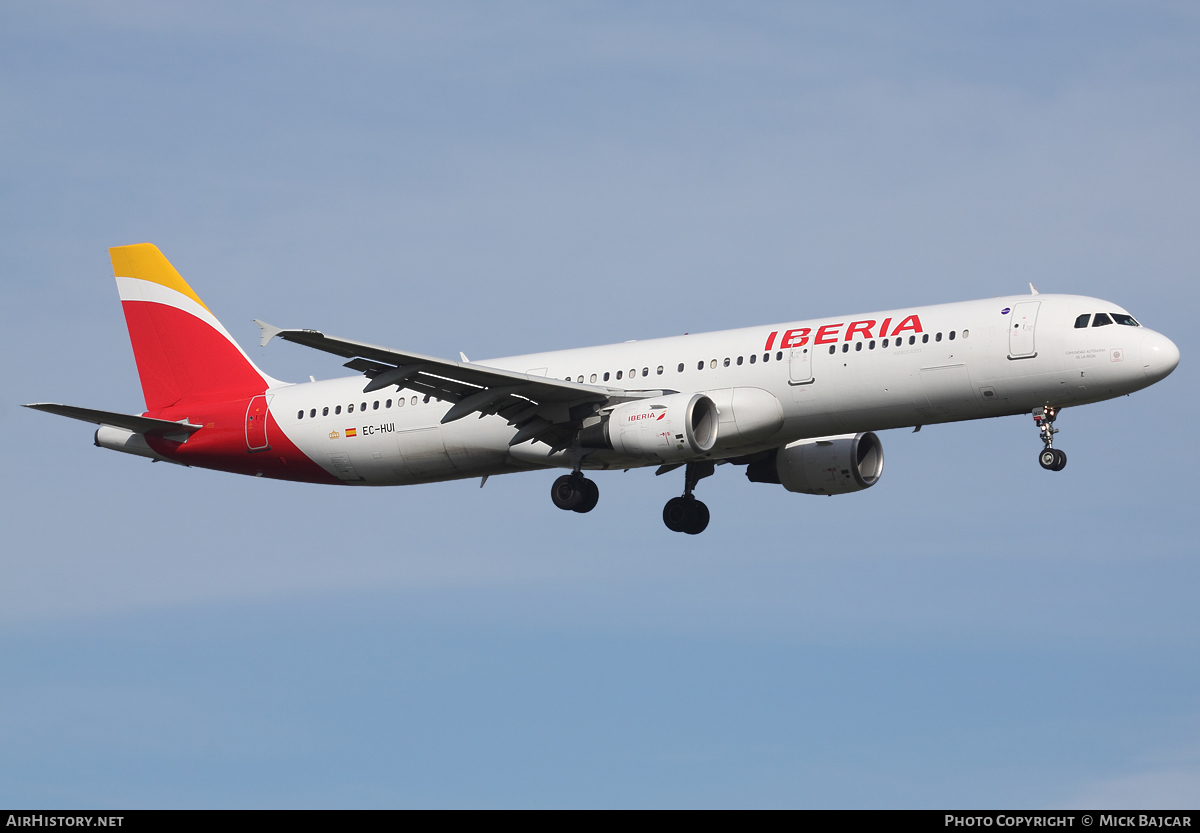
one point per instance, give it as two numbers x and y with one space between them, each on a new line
183 353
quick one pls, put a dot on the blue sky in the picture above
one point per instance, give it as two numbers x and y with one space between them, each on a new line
500 179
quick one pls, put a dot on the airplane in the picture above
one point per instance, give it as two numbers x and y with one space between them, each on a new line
797 403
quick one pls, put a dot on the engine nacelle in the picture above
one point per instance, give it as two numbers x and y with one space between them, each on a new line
824 465
668 428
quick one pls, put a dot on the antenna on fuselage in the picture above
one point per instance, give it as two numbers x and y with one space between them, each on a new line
1032 289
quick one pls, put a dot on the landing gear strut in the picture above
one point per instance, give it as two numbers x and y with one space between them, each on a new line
1050 458
686 514
575 492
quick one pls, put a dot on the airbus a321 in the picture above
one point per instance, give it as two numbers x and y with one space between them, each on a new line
796 403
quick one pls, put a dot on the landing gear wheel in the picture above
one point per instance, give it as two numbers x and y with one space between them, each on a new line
678 512
568 492
591 496
1052 459
700 522
685 514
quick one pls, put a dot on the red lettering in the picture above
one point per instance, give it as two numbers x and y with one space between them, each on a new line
794 338
883 327
911 323
824 332
863 327
771 340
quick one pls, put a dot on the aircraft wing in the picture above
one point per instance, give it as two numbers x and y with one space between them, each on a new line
131 422
535 404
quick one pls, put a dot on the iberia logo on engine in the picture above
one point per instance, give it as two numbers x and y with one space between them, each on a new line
636 417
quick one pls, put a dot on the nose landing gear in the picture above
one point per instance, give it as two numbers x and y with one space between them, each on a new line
575 493
1050 458
686 514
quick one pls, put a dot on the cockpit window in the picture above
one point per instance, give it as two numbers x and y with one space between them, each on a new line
1082 321
1101 320
1127 320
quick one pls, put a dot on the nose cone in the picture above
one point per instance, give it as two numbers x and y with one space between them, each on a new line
1159 356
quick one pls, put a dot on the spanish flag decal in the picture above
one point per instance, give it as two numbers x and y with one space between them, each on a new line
351 432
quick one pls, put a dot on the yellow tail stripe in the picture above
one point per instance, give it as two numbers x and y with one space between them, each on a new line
145 262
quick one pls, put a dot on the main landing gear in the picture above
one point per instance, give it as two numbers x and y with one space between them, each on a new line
686 514
1050 458
575 493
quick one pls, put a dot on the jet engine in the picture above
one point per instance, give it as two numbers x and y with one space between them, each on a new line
668 428
824 465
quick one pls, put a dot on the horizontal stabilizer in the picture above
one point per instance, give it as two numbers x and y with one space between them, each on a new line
130 422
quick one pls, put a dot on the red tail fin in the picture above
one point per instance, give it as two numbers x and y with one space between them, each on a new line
183 353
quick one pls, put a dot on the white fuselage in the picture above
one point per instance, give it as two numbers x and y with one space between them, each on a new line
773 385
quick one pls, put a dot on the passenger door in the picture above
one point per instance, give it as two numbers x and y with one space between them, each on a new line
256 424
1021 344
801 366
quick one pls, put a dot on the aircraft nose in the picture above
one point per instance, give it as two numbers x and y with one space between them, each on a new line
1159 356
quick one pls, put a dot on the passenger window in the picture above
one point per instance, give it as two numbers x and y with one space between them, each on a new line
700 365
739 361
925 338
952 335
727 362
845 348
858 347
871 346
580 380
399 403
620 373
884 344
325 411
313 413
300 415
766 357
713 364
606 375
680 368
779 356
1101 320
913 339
1127 320
338 409
375 405
350 408
939 337
754 358
414 401
832 349
632 372
387 404
363 407
660 370
966 333
593 378
645 371
1082 321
